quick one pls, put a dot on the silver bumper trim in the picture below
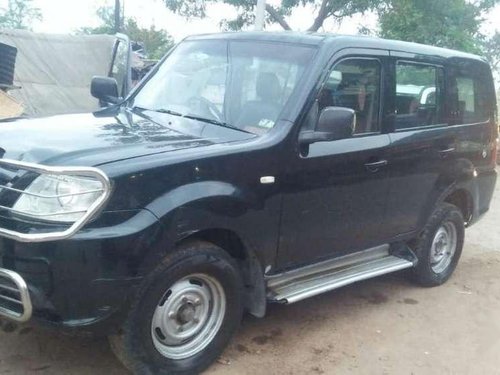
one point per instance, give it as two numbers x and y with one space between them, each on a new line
66 171
18 295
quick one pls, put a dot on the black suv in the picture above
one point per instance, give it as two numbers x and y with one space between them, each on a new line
247 168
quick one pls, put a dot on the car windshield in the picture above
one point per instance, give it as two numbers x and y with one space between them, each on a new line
239 84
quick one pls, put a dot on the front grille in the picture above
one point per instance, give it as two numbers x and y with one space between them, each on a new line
15 302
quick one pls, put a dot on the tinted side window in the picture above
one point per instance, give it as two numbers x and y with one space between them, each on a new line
470 98
418 95
355 83
466 94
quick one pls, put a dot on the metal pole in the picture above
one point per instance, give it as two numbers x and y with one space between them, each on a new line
117 16
260 11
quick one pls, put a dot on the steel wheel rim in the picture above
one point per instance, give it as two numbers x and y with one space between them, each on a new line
444 246
188 316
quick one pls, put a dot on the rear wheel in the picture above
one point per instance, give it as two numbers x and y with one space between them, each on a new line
185 313
439 246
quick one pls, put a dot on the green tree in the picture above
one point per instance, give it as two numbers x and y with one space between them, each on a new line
156 42
19 14
107 17
491 49
324 9
444 23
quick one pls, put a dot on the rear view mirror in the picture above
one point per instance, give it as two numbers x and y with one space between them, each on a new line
334 123
105 89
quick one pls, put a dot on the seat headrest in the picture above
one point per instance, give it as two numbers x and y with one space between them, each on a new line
268 87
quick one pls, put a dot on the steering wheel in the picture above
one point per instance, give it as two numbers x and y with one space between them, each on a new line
200 104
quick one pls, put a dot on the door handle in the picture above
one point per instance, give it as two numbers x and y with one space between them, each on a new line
446 151
376 165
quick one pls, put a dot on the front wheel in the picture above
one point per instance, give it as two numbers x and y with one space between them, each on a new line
439 246
185 313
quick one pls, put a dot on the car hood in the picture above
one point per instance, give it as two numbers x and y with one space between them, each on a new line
92 139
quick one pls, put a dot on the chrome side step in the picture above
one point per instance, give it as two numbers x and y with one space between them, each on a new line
296 285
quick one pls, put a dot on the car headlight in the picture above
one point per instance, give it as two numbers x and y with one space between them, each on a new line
58 198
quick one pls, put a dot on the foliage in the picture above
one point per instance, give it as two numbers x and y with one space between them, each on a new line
408 74
491 49
19 14
107 16
156 42
324 9
444 23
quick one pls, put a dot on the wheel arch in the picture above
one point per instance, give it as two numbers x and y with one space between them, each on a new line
227 216
462 199
250 266
462 194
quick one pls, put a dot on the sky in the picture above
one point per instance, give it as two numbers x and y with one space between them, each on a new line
66 16
63 16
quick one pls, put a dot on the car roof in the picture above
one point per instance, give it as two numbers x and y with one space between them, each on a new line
316 39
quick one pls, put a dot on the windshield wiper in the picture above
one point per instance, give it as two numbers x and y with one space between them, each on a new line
216 122
192 117
159 110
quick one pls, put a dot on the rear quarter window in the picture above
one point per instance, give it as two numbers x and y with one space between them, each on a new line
471 94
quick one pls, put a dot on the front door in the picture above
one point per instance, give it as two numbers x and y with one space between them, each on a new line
334 193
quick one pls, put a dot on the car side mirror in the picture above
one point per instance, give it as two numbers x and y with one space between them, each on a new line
334 123
105 89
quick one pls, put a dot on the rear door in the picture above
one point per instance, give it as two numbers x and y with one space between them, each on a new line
423 146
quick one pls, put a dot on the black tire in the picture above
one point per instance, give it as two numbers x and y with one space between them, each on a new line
134 346
427 273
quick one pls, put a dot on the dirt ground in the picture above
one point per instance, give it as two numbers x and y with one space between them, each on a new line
381 326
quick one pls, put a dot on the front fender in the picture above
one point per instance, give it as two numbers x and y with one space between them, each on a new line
197 192
205 205
208 205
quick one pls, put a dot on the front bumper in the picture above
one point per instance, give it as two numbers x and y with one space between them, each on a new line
15 300
83 283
